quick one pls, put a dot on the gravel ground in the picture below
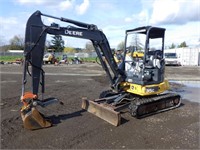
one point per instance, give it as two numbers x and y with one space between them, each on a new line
78 129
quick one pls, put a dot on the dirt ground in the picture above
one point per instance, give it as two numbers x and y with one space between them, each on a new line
75 128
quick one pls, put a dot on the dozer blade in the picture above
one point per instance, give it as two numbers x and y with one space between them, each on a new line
102 111
33 119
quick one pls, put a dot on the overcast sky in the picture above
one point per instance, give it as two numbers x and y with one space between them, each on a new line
181 18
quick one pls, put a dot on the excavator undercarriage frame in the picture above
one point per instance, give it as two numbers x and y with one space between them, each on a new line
139 107
136 86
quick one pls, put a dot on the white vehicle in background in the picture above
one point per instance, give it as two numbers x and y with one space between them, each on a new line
171 59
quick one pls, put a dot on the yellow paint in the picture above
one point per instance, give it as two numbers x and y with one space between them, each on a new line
137 54
142 89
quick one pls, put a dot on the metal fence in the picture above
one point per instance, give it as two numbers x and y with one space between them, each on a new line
10 54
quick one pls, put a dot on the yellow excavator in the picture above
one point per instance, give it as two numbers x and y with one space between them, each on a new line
136 84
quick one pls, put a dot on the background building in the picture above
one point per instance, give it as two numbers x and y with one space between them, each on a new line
186 56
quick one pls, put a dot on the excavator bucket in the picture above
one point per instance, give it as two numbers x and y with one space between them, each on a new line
102 111
33 119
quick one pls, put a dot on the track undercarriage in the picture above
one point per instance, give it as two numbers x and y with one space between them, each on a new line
110 108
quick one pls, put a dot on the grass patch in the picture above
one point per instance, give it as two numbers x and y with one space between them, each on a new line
9 58
90 59
14 58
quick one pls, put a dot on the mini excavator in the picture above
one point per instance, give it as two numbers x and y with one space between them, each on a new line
137 84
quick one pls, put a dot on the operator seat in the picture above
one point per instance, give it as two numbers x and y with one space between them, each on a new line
154 59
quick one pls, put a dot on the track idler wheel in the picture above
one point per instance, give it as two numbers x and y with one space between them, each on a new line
31 117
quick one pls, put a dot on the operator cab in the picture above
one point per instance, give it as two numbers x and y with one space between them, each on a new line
144 48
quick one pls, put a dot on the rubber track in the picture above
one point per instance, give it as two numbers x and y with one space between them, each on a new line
158 99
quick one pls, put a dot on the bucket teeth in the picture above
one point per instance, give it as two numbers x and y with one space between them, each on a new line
103 112
33 119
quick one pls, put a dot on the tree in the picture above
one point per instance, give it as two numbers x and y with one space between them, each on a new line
172 46
89 47
120 46
4 48
58 43
2 40
183 44
78 49
17 43
136 43
47 45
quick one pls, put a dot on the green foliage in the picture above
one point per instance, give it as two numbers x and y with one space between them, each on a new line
136 42
172 46
58 43
183 44
17 43
90 59
120 46
69 50
10 58
13 58
4 48
89 47
78 49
